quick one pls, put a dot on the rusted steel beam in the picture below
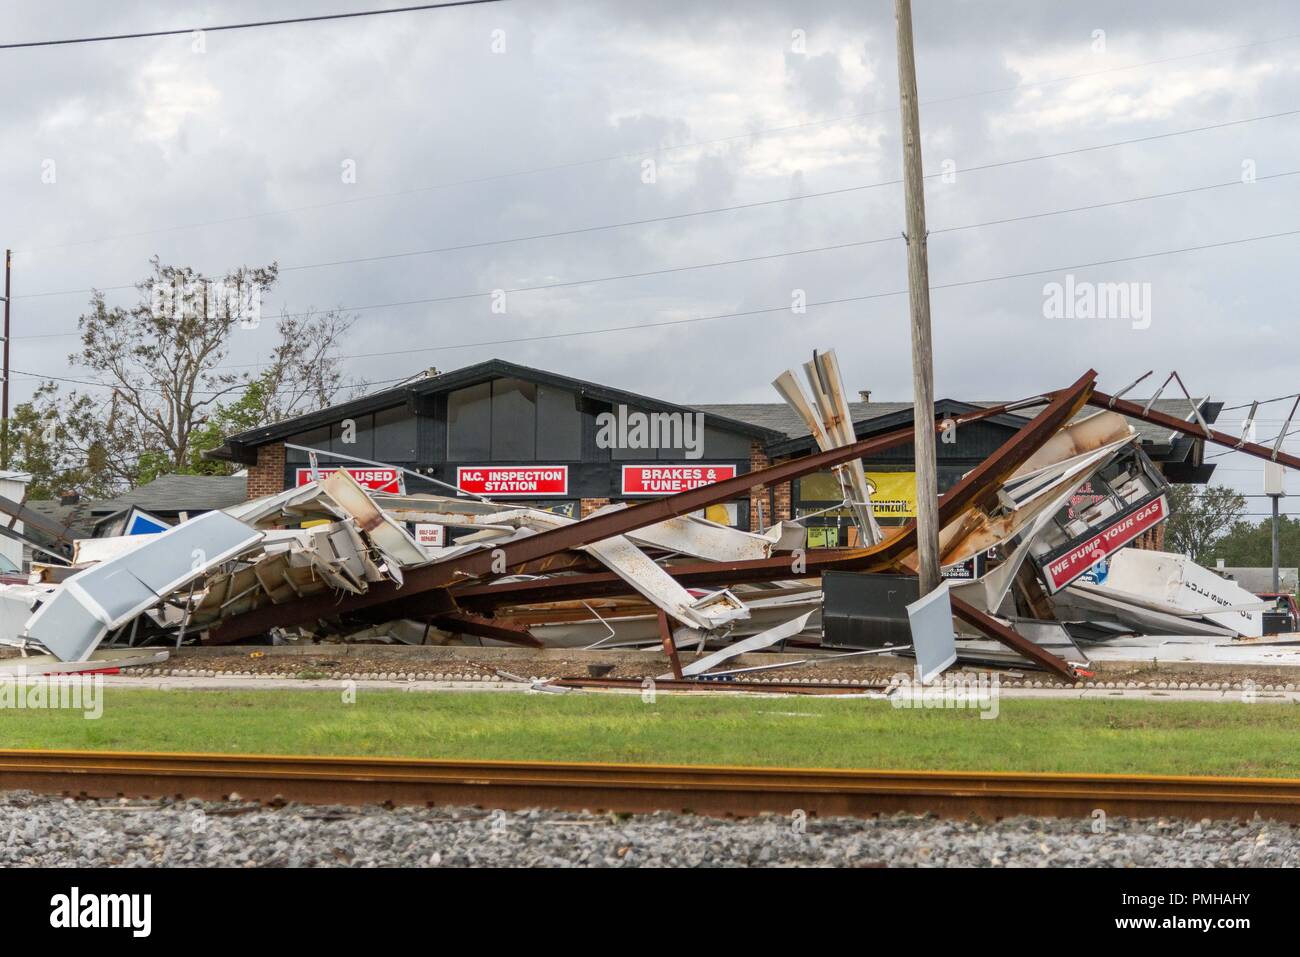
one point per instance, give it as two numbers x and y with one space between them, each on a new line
1016 642
560 562
670 646
1134 411
977 486
464 624
597 528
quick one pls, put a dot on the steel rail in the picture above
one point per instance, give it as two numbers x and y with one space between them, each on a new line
642 787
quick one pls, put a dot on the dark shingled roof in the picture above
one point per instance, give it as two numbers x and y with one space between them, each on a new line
179 493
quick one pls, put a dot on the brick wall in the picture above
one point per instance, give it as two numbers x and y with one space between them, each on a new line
1154 539
775 509
267 476
589 505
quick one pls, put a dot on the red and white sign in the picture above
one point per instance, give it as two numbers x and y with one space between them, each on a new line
502 480
429 534
375 479
671 479
1066 567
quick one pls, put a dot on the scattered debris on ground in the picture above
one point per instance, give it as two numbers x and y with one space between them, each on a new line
1037 575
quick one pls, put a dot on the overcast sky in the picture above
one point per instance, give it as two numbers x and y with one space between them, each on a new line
479 124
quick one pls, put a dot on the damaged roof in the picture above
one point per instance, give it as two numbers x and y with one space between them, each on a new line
771 422
868 416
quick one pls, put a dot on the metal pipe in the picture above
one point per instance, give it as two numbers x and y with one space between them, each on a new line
385 465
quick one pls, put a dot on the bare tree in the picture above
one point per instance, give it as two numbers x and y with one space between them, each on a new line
162 358
303 374
168 396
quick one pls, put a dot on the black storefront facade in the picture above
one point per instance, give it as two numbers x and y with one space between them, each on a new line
529 436
516 434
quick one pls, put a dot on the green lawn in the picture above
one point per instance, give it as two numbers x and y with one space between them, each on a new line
1031 735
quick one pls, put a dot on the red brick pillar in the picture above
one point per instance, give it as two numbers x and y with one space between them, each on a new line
778 508
589 505
267 476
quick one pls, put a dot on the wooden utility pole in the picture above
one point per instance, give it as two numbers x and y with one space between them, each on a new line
918 284
4 387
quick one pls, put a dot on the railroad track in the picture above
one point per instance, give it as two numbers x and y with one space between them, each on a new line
640 788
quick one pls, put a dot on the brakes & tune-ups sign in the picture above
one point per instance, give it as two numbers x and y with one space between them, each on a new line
671 479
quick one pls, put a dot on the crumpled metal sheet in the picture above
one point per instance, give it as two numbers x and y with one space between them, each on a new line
108 595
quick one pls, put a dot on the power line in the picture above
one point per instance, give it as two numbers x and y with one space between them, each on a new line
245 26
696 144
1247 405
458 297
738 315
740 206
811 305
235 387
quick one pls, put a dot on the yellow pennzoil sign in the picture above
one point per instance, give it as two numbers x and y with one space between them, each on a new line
893 494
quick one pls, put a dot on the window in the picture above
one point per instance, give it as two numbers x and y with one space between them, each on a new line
362 445
469 423
513 420
315 439
819 508
394 435
724 445
559 425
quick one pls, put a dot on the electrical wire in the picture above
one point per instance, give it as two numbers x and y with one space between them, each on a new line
786 307
698 144
740 206
245 26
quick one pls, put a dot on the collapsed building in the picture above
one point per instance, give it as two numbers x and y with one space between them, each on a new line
505 505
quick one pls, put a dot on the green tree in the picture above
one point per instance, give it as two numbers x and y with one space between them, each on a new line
1250 545
1199 517
166 394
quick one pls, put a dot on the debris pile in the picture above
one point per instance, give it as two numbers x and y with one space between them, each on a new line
1035 573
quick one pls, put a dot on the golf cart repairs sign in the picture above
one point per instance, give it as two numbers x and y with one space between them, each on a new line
1073 559
426 533
500 480
375 479
671 479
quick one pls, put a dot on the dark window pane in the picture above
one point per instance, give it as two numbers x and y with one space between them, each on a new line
669 431
628 436
394 435
724 445
469 423
362 445
514 420
559 425
316 439
820 487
